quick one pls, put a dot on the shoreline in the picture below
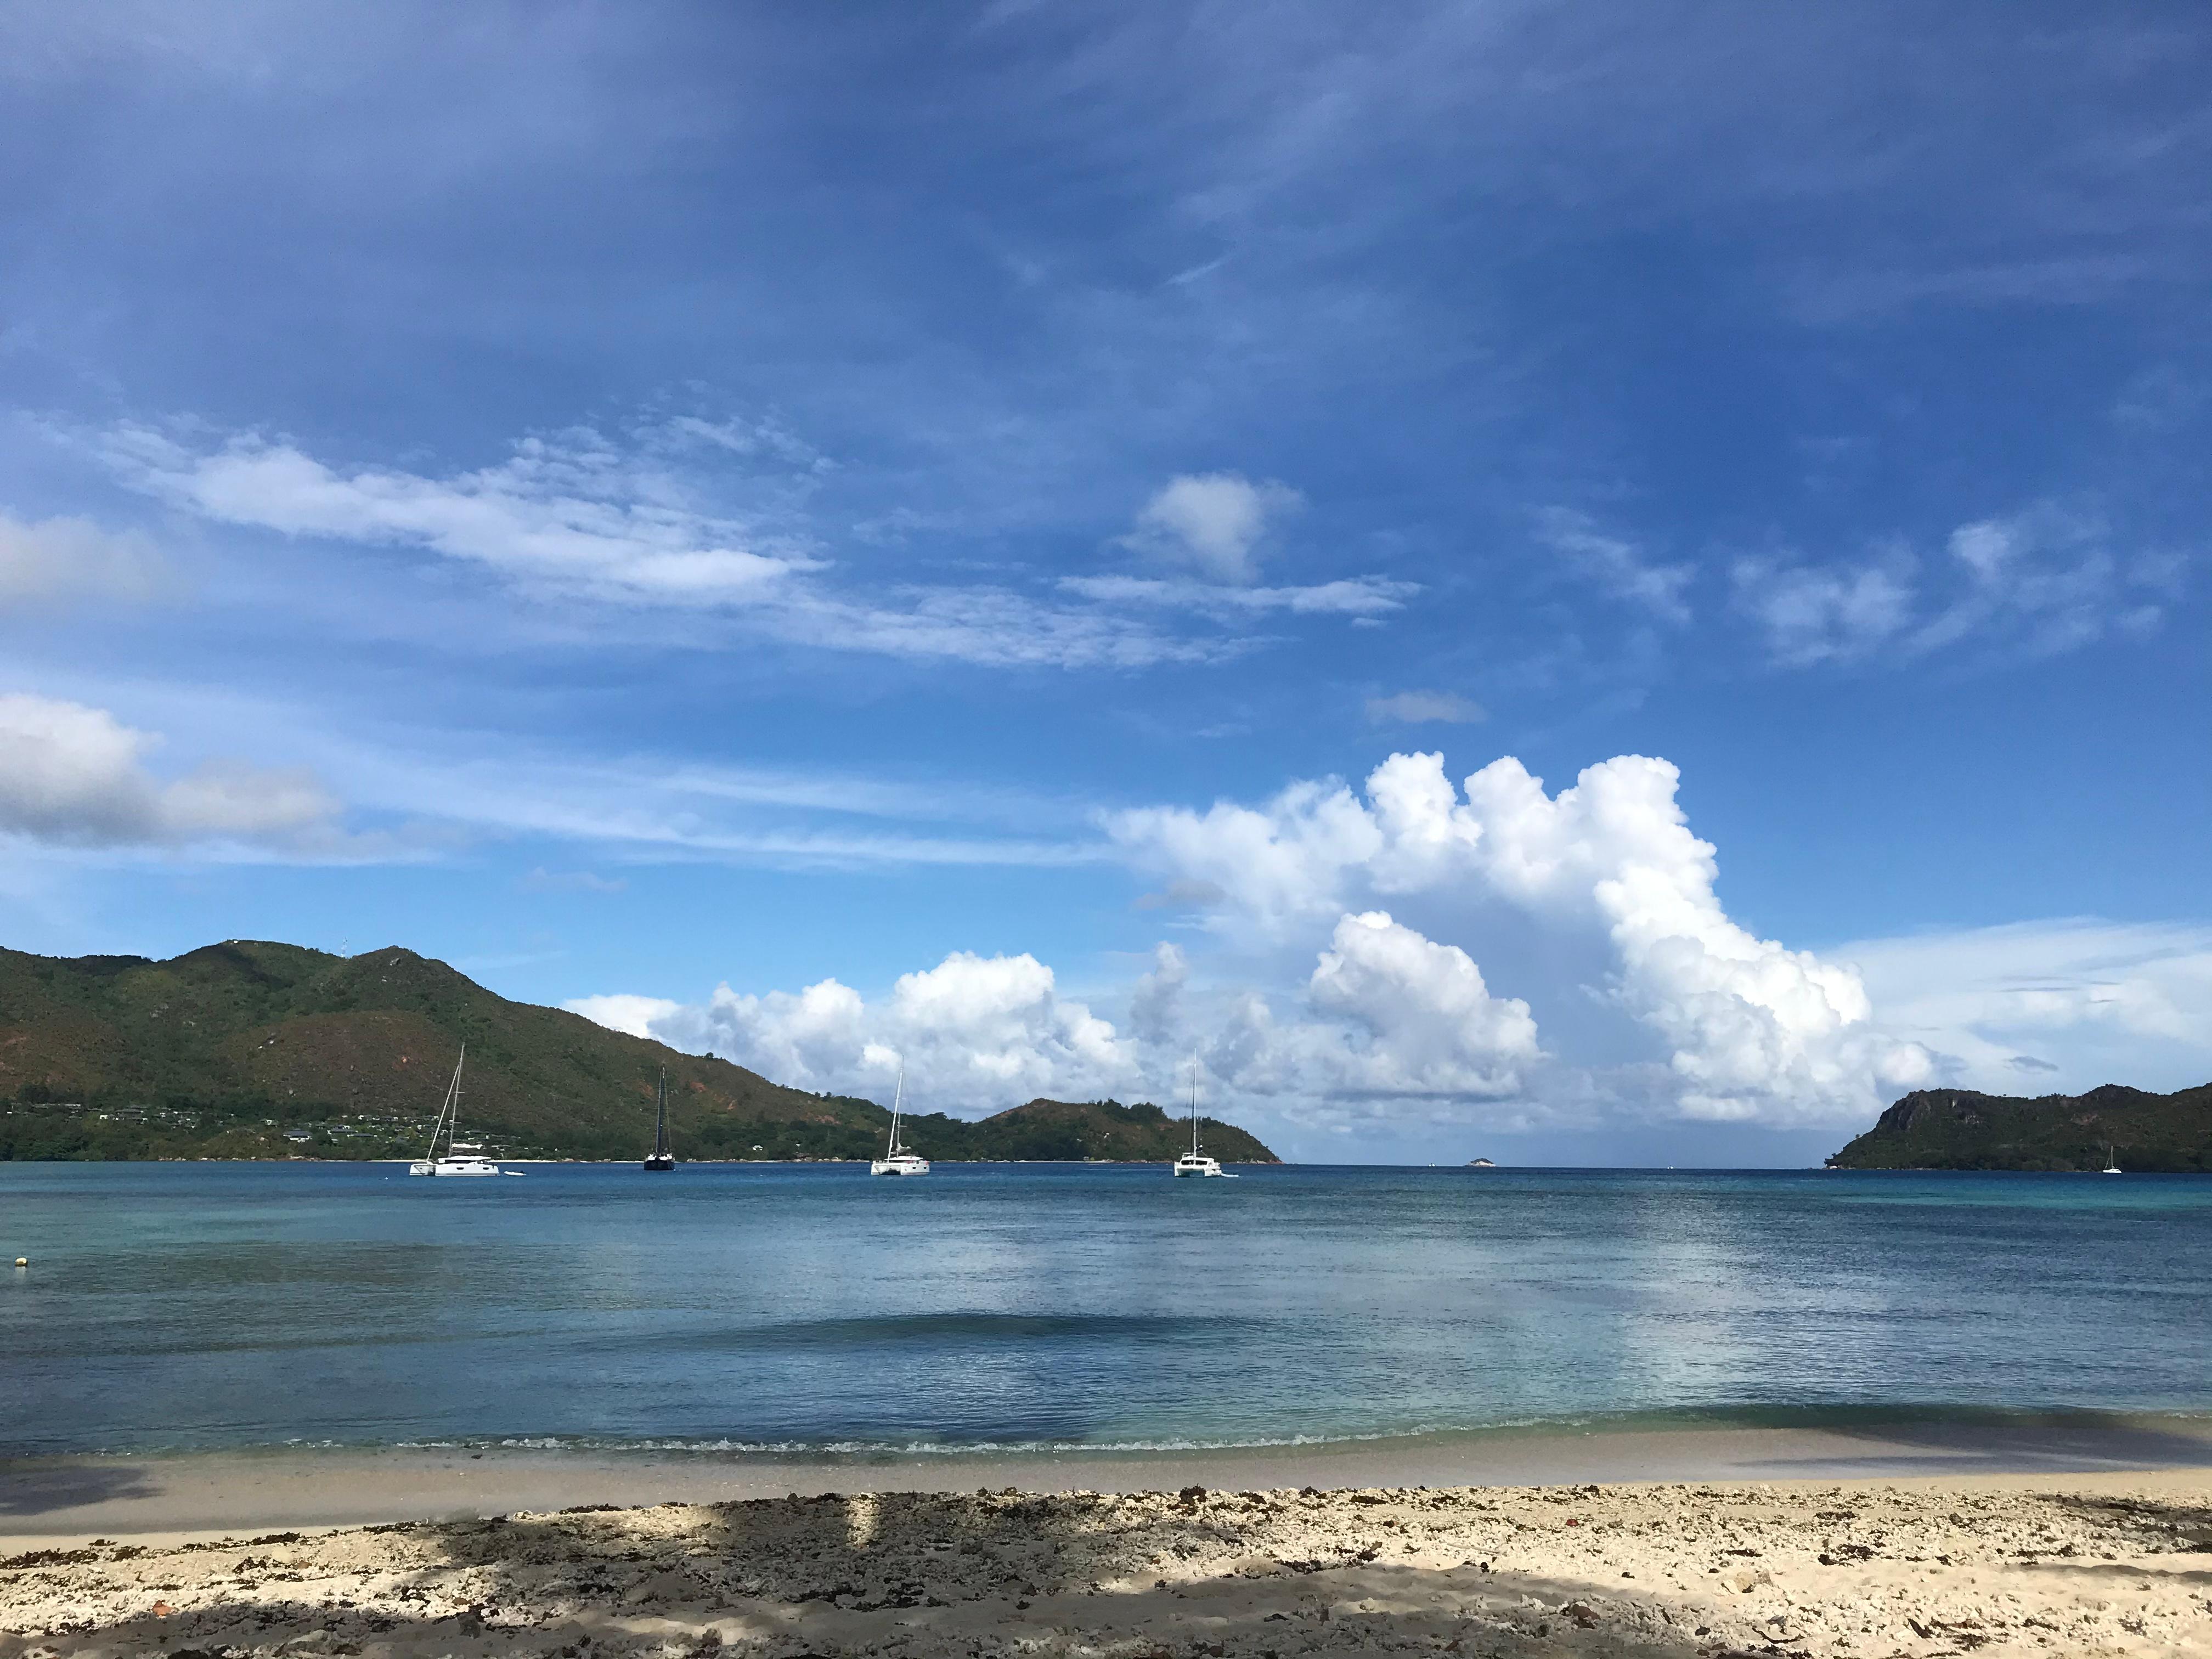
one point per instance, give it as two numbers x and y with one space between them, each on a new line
757 1162
62 1500
1141 1163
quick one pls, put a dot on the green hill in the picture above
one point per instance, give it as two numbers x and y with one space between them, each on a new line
1959 1129
248 1050
1069 1130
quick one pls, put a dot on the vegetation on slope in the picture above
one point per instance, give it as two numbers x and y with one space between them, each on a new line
250 1050
1959 1129
1070 1129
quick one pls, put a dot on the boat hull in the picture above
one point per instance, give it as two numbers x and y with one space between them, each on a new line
659 1165
899 1166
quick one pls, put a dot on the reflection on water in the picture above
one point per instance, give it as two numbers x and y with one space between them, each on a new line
229 1304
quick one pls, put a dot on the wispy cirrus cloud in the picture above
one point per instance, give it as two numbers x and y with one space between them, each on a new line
1615 566
1420 708
75 773
1215 522
646 809
2063 1003
1810 614
633 520
1351 596
2036 583
572 512
542 881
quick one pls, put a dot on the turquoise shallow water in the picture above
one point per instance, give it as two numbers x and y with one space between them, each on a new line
808 1308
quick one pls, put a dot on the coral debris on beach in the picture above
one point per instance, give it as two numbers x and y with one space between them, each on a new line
2063 1565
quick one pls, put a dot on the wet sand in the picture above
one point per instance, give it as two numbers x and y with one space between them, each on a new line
58 1502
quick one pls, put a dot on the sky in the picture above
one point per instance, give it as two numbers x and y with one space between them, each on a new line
1598 583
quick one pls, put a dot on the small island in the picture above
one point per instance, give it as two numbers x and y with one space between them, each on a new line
1960 1129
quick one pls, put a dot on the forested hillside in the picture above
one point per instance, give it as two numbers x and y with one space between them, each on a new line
250 1050
1959 1129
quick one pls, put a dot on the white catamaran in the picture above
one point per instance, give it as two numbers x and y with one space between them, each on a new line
897 1160
462 1157
1193 1162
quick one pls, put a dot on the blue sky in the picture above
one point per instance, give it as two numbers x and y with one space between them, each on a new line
850 534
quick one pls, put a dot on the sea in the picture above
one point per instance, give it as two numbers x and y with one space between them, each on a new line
790 1311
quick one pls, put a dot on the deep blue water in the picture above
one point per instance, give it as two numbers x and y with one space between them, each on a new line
208 1305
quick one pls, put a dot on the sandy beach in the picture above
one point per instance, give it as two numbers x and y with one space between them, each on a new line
2038 1561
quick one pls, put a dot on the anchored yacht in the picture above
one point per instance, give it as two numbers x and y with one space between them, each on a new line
461 1157
897 1160
662 1160
1193 1162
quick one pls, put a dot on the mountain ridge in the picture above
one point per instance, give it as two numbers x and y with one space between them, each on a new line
254 1048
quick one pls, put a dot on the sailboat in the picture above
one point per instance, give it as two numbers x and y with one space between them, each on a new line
1193 1162
461 1157
897 1160
662 1160
2111 1164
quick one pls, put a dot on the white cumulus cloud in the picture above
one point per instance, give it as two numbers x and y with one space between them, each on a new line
1745 1027
624 1012
1426 1023
1489 950
974 1033
52 559
74 775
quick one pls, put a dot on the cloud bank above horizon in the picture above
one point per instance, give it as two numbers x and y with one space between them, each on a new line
1308 1008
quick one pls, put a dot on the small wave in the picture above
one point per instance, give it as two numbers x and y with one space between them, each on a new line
1851 1417
1856 1417
723 1446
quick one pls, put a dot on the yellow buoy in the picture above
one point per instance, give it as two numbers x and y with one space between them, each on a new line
22 1261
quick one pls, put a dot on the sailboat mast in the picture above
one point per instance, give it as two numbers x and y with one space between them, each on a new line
449 1108
1194 1105
660 1123
453 1123
898 1099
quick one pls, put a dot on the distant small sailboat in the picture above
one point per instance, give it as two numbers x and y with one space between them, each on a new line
461 1157
897 1160
2111 1164
1193 1162
662 1160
